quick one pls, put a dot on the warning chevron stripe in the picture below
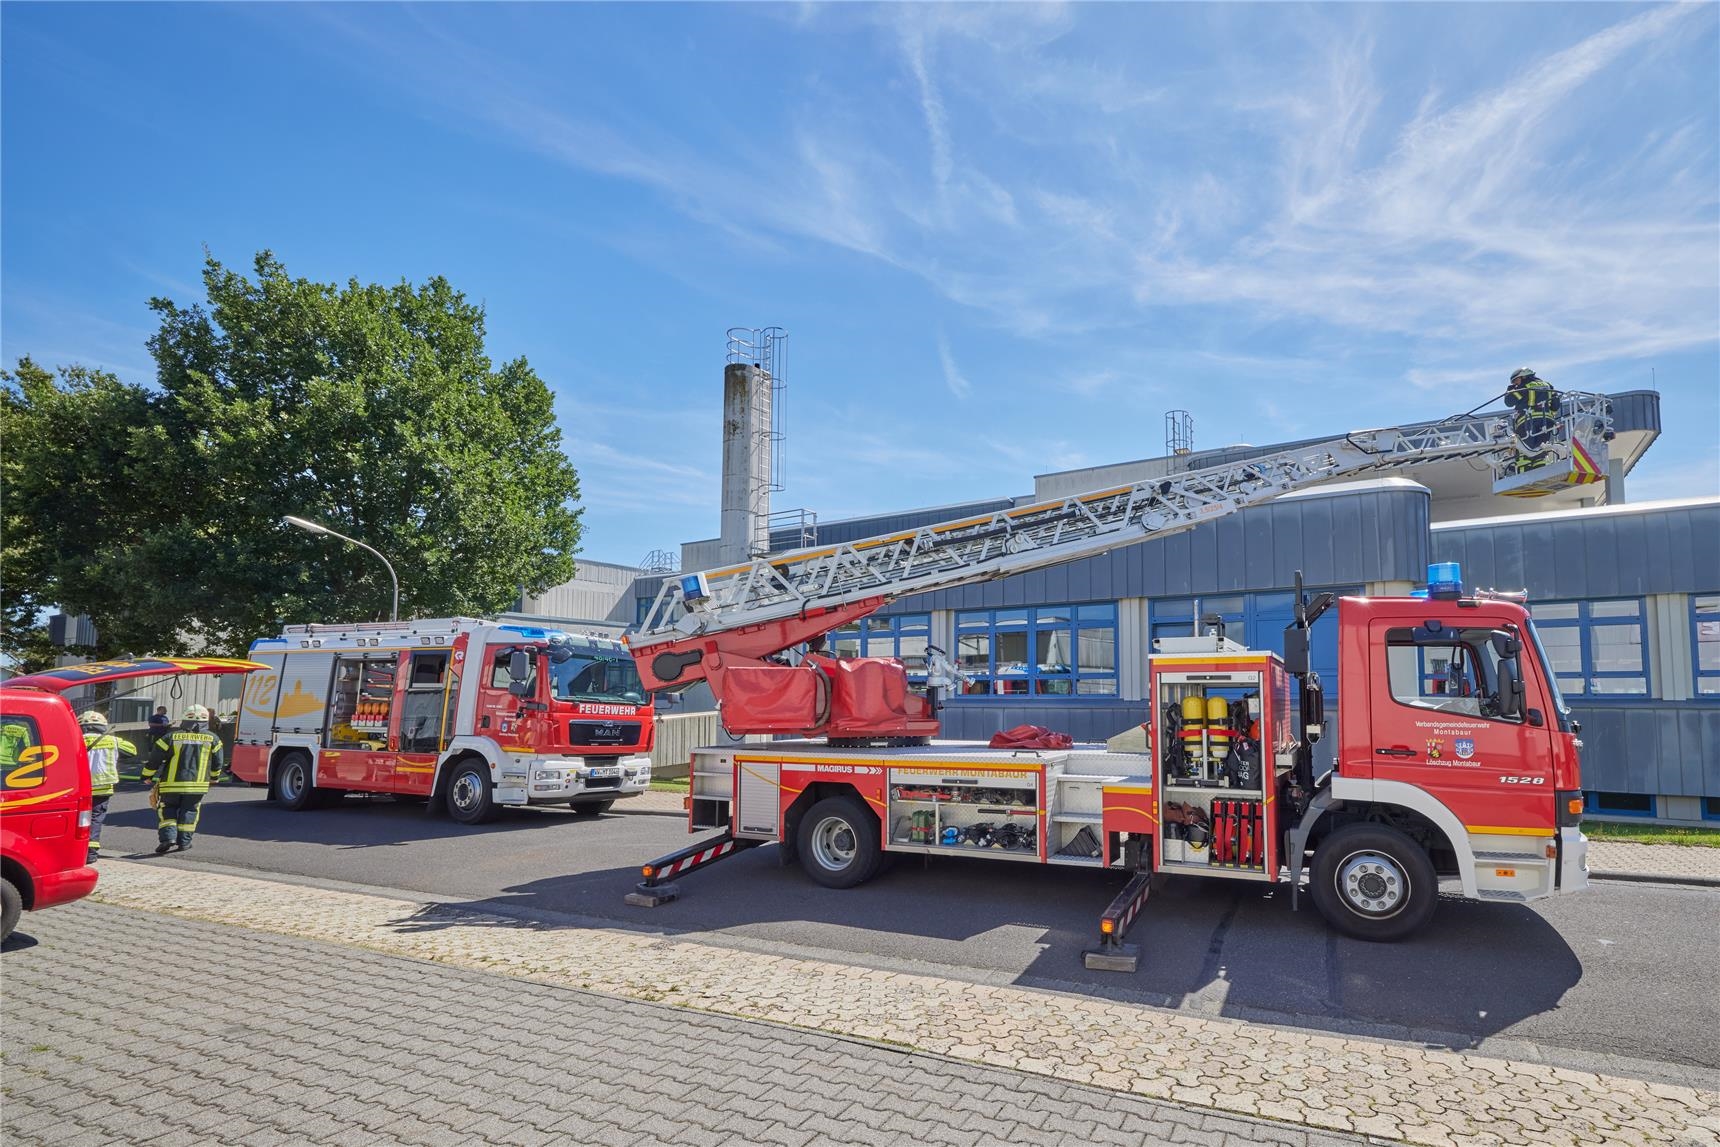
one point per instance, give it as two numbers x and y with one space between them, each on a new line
1583 468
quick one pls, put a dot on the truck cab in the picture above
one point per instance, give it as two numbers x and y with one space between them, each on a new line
44 805
572 706
1454 735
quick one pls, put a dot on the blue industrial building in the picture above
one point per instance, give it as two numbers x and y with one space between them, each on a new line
1627 597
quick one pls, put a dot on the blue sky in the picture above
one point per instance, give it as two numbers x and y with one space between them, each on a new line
1003 240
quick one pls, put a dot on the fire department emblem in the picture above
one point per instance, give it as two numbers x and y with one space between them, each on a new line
1435 748
1465 747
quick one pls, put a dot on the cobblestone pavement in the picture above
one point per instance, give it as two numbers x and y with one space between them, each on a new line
1389 1090
1666 861
163 1030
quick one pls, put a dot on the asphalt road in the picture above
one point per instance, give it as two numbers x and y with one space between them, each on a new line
1617 979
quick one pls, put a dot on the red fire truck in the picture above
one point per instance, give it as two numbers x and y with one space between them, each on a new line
1456 758
469 714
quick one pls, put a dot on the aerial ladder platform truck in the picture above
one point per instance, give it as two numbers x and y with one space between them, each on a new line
1456 759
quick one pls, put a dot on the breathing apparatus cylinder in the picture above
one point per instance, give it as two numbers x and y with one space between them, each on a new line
1194 729
1218 727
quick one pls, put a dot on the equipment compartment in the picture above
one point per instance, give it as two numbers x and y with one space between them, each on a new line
987 811
1216 817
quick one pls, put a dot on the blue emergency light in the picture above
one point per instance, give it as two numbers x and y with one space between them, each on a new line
1444 581
694 588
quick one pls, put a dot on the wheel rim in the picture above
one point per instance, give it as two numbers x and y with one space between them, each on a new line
468 791
1373 884
834 843
292 781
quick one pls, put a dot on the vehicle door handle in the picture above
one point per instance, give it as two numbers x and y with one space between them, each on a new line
1396 751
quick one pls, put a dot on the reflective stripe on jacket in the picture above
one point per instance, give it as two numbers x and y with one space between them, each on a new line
104 750
187 761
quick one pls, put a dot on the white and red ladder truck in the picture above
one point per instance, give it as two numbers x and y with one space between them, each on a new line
1456 758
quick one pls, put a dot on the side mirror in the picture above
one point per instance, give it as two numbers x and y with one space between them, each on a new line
519 673
1510 690
1505 644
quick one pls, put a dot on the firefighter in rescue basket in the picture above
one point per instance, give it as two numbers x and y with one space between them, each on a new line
187 760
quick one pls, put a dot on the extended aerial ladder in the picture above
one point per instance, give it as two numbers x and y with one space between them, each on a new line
732 626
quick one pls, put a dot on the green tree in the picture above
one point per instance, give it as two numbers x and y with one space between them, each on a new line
373 409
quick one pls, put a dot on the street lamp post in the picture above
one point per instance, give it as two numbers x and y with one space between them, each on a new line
311 527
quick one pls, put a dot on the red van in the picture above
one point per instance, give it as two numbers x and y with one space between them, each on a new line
45 779
44 805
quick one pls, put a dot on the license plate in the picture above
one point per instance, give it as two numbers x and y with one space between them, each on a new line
604 774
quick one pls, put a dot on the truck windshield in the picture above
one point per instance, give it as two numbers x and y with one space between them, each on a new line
1552 681
581 671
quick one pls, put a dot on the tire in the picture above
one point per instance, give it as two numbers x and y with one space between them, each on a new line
838 843
591 808
290 786
1374 883
470 800
11 907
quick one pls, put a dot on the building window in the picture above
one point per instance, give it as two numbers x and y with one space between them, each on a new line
1711 808
1617 804
1705 645
1176 618
1598 648
1048 651
903 636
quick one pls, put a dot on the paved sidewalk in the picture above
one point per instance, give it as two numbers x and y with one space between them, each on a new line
1393 1091
258 1040
1673 862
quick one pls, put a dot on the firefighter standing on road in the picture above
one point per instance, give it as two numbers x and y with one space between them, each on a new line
104 749
187 760
1534 406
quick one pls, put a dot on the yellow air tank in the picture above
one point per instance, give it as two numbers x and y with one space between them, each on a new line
1218 727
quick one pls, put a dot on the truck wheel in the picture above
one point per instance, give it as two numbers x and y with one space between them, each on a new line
11 907
469 797
838 843
1373 883
291 788
591 808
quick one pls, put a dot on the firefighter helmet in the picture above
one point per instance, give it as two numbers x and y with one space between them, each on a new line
93 719
1522 374
196 713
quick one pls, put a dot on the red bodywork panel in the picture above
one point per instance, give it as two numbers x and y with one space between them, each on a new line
1492 773
45 798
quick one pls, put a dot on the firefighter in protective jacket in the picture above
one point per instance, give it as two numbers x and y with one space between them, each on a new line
104 749
1534 406
186 761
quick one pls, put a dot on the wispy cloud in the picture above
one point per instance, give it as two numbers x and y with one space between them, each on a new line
953 377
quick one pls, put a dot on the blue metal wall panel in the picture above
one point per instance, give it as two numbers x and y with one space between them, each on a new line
1672 749
1626 554
1085 720
1636 410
